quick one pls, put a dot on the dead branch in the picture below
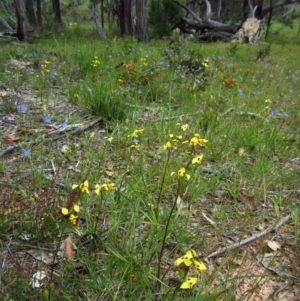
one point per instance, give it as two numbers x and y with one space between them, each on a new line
249 31
49 136
251 238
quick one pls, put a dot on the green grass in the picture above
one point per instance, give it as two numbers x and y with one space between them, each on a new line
128 238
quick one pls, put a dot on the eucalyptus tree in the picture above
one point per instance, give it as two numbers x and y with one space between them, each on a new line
21 27
141 21
100 30
29 5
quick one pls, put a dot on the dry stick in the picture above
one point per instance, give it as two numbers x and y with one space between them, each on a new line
250 239
46 137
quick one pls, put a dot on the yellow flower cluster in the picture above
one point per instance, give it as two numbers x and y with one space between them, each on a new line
267 107
109 139
184 263
173 143
95 62
181 173
84 187
136 133
205 64
45 67
197 159
196 140
73 216
144 60
136 143
104 187
183 127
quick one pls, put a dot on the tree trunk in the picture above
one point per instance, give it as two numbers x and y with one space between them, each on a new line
141 21
125 17
102 13
97 22
5 25
30 12
269 19
21 30
219 9
39 12
57 15
245 10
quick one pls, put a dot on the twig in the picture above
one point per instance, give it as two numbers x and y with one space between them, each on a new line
277 291
241 113
250 239
249 114
46 137
37 247
227 111
53 167
141 107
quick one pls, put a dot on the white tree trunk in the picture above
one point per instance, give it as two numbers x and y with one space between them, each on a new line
219 8
5 25
97 22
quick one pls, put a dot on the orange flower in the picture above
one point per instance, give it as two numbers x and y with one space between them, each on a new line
158 74
228 81
120 81
128 66
132 73
144 76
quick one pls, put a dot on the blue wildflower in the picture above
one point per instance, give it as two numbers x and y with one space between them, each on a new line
81 79
140 91
54 73
25 153
22 108
46 119
63 124
89 89
241 92
273 111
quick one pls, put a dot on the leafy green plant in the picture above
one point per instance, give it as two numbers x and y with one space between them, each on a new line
163 15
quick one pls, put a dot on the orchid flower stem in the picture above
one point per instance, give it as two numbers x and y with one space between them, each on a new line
162 185
166 231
